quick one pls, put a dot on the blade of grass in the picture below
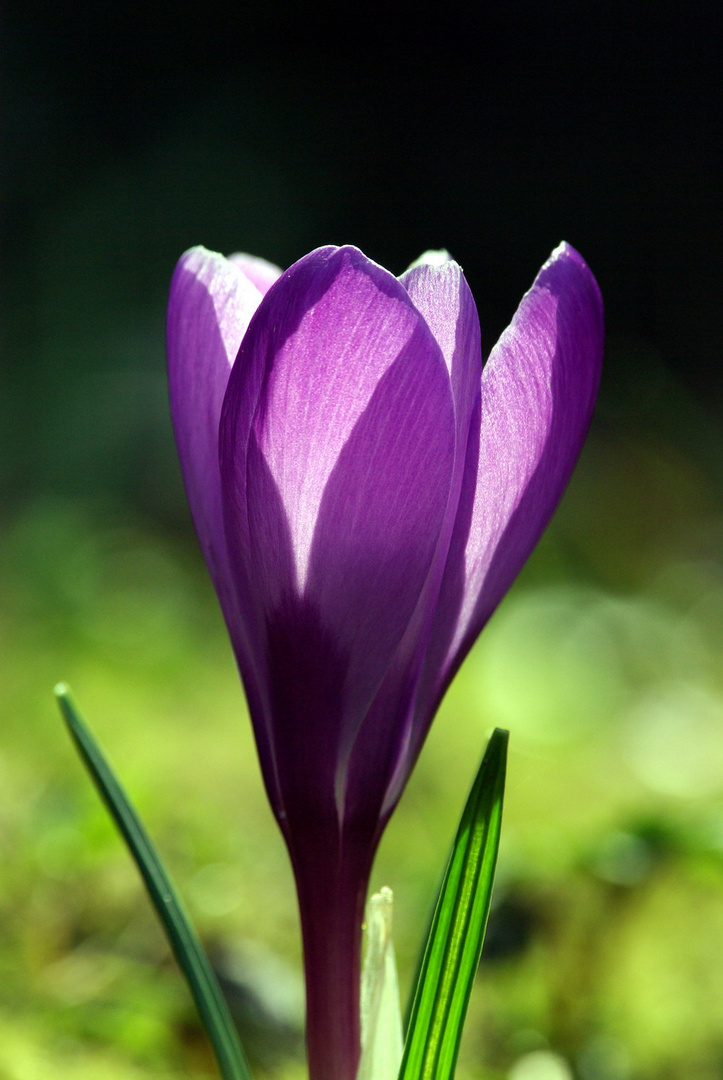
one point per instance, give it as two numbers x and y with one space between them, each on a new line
182 937
458 926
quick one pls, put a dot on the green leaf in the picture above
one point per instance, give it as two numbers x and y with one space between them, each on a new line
458 927
182 937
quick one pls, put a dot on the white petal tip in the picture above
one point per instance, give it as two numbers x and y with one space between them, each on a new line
432 258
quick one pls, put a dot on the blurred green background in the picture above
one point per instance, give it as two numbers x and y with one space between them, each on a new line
130 134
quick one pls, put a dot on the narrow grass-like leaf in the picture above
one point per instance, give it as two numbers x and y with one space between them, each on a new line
457 932
181 936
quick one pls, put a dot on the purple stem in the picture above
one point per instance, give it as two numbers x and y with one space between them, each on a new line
332 895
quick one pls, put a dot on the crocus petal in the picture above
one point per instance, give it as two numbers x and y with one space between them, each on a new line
260 273
211 303
538 391
337 444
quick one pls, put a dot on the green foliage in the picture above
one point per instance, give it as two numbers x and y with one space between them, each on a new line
457 932
181 936
605 664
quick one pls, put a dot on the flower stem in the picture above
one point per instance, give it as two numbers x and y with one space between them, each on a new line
332 912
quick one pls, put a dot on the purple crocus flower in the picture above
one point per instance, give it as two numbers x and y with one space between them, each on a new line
364 493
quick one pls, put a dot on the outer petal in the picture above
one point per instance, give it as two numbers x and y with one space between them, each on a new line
211 303
260 273
210 306
337 448
538 391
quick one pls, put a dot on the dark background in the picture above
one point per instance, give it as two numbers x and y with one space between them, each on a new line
133 131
